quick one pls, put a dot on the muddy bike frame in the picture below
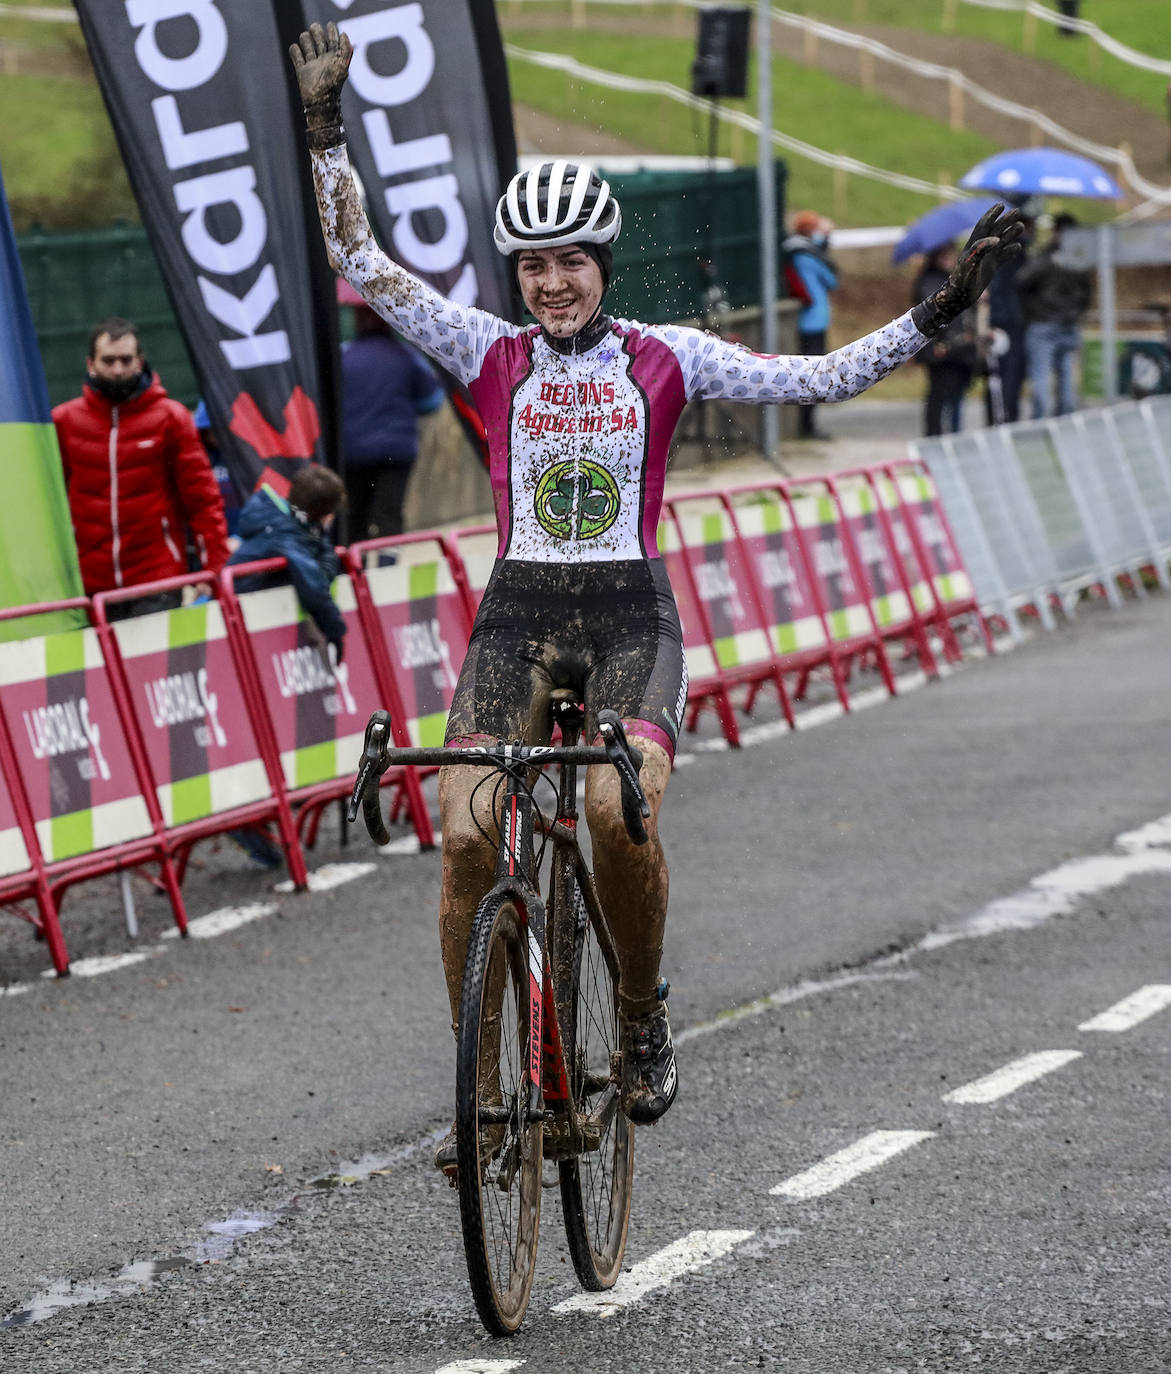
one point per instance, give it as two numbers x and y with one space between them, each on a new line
517 862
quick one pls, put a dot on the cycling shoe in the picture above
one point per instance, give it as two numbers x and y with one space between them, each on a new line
650 1079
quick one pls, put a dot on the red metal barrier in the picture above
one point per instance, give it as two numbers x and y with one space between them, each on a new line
726 595
894 599
787 586
931 534
838 577
186 704
309 711
76 771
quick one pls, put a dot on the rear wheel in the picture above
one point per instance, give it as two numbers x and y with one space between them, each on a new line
596 1184
499 1169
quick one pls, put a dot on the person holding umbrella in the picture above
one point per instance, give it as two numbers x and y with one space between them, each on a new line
1055 296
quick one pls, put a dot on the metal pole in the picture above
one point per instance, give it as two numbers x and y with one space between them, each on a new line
767 195
1106 312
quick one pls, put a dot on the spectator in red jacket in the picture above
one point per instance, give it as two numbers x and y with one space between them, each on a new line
136 474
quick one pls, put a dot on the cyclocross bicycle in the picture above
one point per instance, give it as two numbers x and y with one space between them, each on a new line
538 1054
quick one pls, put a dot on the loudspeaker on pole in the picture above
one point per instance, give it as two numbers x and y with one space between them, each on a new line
721 52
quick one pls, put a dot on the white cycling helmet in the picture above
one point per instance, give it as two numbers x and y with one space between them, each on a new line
554 204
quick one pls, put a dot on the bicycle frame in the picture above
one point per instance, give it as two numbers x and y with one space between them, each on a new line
550 943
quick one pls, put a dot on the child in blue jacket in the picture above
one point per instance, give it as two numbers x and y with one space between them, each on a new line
297 529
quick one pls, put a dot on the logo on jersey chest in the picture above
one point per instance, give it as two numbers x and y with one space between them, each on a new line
577 499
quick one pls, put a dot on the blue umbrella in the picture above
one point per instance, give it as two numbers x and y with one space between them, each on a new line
940 226
1042 172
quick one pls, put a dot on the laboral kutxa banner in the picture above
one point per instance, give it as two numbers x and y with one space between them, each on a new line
200 96
38 558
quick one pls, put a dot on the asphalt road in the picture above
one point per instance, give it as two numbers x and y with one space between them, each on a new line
217 1157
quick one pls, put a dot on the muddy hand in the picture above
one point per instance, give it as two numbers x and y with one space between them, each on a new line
321 59
995 240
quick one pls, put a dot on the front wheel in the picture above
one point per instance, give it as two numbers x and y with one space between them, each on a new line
596 1184
499 1149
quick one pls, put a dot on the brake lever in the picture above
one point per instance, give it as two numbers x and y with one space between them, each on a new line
373 764
627 759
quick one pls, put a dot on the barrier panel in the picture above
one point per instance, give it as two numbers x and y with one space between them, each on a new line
720 577
1052 507
474 550
793 617
939 557
22 869
1122 535
705 686
187 701
76 772
996 527
835 563
422 621
887 565
1142 451
308 710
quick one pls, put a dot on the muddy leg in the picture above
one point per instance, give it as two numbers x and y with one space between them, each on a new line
631 879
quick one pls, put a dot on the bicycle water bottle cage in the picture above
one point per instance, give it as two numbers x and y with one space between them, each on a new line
374 761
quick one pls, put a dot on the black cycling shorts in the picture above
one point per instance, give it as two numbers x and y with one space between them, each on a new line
608 630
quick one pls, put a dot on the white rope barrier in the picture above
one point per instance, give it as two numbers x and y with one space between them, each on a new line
1131 56
1119 158
618 81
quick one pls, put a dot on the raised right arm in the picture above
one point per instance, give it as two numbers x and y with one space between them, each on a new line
456 336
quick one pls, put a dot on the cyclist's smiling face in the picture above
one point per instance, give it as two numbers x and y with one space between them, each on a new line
562 287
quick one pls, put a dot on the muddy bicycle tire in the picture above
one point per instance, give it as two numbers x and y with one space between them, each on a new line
596 1184
499 1180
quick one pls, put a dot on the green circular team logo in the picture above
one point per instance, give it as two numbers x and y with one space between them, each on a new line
577 500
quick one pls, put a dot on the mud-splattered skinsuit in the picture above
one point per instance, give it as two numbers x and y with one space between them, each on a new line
578 448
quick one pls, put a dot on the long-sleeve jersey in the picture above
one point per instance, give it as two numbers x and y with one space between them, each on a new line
578 442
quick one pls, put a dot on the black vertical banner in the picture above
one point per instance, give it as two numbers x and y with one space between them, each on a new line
199 95
429 128
428 120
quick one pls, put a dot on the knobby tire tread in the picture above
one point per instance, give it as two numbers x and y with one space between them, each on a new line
597 1267
496 925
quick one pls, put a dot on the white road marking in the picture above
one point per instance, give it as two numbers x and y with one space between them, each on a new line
329 876
1155 997
104 963
225 919
480 1367
1146 836
1052 894
694 1251
1011 1077
813 987
836 1169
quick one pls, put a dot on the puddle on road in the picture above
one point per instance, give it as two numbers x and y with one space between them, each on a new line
143 1274
63 1293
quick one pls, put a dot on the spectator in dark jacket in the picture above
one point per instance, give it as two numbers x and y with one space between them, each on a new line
1055 296
1006 313
136 475
297 530
951 356
386 386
